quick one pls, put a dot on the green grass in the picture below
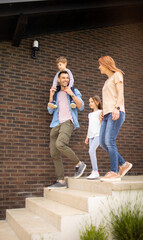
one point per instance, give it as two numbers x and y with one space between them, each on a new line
91 232
127 221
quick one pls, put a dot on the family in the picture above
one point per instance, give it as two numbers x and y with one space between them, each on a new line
103 127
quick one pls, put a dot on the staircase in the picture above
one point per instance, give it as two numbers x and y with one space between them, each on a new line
62 213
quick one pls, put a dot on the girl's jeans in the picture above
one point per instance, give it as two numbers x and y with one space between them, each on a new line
93 145
108 134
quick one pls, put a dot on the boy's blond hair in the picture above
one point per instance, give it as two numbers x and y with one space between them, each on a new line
62 60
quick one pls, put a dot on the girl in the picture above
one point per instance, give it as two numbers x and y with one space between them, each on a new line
93 133
113 117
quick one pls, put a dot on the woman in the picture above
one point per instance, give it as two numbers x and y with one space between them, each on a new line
113 116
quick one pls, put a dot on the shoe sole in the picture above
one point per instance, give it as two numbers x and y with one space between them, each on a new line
98 178
81 172
73 105
126 170
51 188
110 180
51 105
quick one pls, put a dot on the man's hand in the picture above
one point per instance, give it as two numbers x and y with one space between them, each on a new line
52 91
68 91
115 114
75 99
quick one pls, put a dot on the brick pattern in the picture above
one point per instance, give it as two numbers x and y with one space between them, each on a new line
25 163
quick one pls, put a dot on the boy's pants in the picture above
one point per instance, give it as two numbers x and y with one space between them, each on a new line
59 140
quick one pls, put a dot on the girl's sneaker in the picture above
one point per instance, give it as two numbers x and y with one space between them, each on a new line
93 175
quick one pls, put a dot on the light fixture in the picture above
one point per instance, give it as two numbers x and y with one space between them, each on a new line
35 48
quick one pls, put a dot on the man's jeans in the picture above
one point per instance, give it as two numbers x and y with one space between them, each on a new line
59 140
108 134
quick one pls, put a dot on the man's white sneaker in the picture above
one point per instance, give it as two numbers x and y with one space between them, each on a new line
93 175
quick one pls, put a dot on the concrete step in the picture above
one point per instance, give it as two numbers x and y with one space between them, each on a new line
94 186
54 212
126 183
6 232
71 197
29 226
61 214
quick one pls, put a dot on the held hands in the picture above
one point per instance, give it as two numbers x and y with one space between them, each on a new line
115 114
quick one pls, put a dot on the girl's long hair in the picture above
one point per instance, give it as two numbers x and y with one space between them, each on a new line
97 98
108 62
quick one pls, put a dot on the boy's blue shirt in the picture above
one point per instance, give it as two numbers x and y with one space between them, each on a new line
74 112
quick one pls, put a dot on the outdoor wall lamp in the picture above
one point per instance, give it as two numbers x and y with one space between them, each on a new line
35 48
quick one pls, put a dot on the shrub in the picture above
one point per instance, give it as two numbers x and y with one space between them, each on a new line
91 232
127 221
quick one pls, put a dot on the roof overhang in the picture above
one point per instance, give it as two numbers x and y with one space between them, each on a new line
20 19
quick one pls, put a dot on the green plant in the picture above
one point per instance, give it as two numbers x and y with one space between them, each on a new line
127 221
91 232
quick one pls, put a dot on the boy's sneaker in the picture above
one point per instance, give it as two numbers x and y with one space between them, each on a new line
111 177
52 104
93 175
58 185
125 168
73 105
80 170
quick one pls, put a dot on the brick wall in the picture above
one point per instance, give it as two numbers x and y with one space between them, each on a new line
25 163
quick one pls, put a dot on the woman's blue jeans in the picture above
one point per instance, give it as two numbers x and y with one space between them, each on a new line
107 139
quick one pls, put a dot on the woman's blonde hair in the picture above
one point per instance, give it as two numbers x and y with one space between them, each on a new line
108 62
97 99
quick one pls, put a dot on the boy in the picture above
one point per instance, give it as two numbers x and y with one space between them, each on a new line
62 63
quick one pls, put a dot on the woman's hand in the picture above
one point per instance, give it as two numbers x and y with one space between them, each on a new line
115 114
86 140
101 116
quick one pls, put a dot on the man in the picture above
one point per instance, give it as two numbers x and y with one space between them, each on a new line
65 120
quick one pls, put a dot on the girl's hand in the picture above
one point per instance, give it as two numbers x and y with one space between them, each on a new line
101 116
115 114
86 140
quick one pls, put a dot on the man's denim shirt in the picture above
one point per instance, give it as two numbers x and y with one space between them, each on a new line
74 112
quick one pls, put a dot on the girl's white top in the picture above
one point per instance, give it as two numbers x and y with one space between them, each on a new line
94 124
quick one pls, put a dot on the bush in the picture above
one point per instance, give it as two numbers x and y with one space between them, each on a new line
91 232
127 221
